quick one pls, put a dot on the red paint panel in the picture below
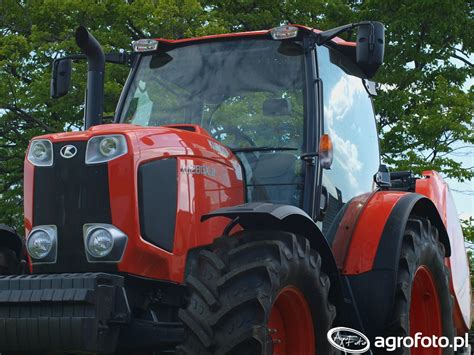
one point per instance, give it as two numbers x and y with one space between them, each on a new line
28 186
433 187
197 194
346 228
367 233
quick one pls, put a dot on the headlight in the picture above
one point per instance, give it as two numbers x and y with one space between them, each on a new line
41 152
101 149
100 242
104 242
42 243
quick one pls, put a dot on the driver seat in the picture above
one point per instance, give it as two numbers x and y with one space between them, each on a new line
274 178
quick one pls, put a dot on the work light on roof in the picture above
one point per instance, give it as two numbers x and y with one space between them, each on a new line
145 45
284 32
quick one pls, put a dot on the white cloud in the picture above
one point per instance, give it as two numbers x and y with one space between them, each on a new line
341 100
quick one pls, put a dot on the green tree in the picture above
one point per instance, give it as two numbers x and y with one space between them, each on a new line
468 229
32 34
424 106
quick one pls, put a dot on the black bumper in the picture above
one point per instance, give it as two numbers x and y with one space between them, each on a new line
87 312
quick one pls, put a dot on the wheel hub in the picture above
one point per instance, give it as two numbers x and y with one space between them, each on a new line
291 325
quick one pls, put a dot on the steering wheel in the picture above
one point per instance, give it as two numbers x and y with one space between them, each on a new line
236 133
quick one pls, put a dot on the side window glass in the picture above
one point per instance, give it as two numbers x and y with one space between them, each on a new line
349 120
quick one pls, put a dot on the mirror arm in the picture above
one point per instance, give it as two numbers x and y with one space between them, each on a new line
115 58
325 36
119 58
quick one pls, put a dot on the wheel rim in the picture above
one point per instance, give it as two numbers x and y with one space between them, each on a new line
425 314
290 324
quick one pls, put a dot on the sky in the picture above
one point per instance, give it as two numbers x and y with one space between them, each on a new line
463 193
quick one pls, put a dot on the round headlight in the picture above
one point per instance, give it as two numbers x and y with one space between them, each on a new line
39 244
100 242
39 151
108 146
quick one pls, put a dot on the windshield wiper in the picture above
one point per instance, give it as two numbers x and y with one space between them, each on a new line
260 149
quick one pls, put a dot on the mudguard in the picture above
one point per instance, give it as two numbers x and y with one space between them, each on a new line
366 241
261 215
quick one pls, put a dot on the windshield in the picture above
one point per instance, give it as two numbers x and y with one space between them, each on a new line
246 93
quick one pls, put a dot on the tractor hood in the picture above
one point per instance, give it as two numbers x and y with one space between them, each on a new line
136 180
155 142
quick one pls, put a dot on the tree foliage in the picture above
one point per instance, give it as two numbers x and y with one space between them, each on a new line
424 106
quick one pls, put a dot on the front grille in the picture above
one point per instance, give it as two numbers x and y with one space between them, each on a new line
70 194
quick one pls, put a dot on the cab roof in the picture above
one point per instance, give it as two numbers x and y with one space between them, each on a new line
339 42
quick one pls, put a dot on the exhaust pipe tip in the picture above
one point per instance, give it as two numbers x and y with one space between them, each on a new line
82 35
91 48
95 76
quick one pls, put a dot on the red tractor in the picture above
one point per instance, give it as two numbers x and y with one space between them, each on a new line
236 205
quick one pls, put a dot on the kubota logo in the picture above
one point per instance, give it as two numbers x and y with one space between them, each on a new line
68 151
349 340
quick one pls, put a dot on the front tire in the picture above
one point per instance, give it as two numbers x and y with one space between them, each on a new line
257 292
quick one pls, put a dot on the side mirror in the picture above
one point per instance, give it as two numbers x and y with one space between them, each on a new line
61 78
382 177
370 47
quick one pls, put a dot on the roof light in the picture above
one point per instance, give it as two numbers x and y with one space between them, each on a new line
145 45
284 32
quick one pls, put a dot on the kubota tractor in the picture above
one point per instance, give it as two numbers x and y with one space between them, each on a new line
236 205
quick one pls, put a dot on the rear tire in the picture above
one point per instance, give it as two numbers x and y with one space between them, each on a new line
237 284
422 282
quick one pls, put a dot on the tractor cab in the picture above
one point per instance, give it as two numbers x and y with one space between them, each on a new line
247 93
269 96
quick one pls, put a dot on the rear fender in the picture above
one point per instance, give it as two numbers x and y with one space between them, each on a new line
371 230
367 244
375 262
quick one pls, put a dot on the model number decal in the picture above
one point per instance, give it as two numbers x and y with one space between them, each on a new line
199 170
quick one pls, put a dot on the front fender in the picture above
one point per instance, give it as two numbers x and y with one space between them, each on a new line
261 215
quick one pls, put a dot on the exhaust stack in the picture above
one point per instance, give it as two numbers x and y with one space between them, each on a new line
91 48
